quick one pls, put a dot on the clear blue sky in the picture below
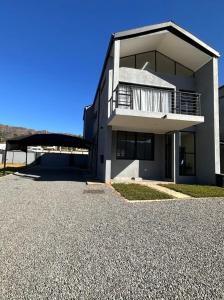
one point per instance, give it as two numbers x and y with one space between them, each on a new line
51 51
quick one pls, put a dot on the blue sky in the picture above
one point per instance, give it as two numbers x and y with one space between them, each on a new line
51 51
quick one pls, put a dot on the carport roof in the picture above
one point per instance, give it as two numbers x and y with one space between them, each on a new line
47 139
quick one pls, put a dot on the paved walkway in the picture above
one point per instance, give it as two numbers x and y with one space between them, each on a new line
166 190
62 239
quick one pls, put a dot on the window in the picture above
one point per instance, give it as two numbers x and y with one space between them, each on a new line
135 145
187 153
183 71
128 62
164 64
146 61
157 62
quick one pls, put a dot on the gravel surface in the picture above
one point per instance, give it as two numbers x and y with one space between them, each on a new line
60 241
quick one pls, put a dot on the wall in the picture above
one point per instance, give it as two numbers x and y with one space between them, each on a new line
150 78
207 134
19 157
135 168
221 112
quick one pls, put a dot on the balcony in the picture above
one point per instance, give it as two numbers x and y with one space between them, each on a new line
153 110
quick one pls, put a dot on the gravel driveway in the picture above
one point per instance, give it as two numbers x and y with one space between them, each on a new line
62 239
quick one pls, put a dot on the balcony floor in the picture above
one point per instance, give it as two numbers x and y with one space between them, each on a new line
154 122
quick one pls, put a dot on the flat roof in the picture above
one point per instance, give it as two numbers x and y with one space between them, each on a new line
47 139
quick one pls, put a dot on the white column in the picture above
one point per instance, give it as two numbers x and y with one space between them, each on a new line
216 116
116 64
108 154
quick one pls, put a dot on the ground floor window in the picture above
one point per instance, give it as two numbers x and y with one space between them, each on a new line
187 153
135 145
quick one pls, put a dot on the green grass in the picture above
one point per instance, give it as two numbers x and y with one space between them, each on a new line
197 191
134 191
6 173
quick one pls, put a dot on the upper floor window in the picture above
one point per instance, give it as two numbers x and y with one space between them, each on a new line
156 62
146 61
128 62
164 64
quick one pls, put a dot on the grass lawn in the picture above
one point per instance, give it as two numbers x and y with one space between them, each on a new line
134 191
196 191
6 173
11 168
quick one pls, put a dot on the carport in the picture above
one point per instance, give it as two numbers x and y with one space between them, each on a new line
46 139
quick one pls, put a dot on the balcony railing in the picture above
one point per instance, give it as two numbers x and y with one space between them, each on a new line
155 100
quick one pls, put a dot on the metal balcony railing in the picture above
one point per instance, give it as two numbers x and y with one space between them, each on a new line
155 100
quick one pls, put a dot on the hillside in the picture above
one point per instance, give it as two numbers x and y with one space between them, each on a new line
7 132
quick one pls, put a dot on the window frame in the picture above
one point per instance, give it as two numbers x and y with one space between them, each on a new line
155 52
136 139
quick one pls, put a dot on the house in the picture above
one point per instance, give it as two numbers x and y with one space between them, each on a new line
221 125
155 114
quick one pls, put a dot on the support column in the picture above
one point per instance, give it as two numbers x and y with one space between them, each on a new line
26 156
116 64
108 154
216 117
175 156
5 158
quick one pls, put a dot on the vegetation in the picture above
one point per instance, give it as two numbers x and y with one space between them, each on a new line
8 132
134 191
6 173
197 191
10 168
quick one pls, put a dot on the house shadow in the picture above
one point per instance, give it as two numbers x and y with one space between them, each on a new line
39 173
56 167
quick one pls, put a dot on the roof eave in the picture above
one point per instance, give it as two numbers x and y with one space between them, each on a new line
173 28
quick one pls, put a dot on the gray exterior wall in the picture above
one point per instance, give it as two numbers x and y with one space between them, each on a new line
221 112
140 168
207 134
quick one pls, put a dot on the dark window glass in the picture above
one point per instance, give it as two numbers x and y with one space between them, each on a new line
164 64
128 62
187 153
121 144
144 146
146 61
183 71
134 145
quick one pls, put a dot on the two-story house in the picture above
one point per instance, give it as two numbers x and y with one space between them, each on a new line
156 110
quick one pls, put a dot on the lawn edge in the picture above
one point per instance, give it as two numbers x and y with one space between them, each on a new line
134 201
163 200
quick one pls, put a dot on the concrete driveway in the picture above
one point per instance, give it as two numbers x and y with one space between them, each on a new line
62 239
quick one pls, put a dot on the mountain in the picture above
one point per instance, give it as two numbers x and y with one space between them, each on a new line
7 132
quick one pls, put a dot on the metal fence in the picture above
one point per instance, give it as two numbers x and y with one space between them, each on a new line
155 100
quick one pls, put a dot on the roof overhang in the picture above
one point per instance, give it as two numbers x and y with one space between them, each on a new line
172 27
48 139
170 40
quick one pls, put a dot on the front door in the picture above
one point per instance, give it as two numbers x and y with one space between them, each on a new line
168 156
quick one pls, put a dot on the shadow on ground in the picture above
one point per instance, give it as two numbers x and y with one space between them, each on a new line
39 173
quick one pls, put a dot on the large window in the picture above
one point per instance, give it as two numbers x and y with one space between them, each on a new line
156 62
146 61
128 62
164 64
135 145
187 153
